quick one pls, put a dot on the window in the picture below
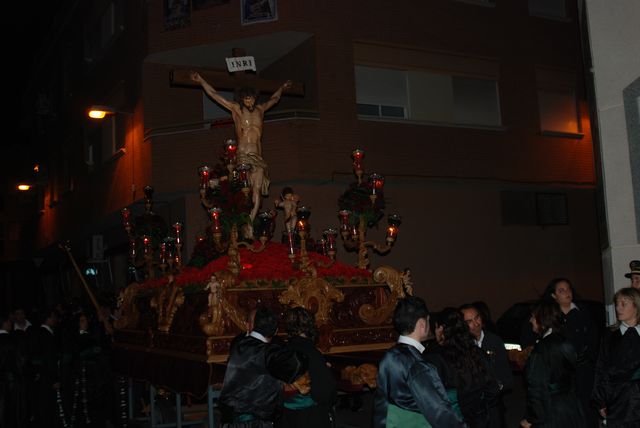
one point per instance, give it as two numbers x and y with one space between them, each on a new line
381 92
558 111
557 102
104 139
113 135
426 96
552 209
534 209
100 33
554 9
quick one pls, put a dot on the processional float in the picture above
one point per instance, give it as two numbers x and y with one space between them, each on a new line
177 320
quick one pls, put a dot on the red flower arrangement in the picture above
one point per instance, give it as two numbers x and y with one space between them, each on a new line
269 266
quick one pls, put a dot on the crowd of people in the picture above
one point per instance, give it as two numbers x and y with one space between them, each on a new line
54 371
448 368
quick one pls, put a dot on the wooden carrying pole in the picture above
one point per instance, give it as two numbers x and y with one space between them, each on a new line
107 326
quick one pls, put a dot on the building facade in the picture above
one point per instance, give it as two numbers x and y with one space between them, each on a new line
475 111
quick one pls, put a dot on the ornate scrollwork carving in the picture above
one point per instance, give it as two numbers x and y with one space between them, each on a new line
397 283
127 311
219 310
309 289
166 303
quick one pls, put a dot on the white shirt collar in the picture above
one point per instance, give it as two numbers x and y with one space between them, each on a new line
573 306
46 327
624 327
26 325
258 336
547 333
479 341
412 342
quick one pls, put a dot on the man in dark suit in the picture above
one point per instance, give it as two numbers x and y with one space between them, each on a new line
493 347
44 356
409 392
12 386
257 368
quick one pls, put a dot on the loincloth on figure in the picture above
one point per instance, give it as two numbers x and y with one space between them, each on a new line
256 161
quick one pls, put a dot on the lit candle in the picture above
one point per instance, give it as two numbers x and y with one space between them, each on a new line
344 219
126 217
322 245
215 217
126 220
357 155
290 239
330 235
377 183
231 147
204 172
163 253
394 221
243 174
146 243
132 249
177 227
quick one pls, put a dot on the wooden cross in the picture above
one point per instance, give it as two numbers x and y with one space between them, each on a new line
223 80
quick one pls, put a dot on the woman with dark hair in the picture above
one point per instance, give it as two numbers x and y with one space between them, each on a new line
313 409
617 387
550 373
463 369
578 327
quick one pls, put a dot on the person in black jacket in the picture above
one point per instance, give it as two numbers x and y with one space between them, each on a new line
616 390
410 392
45 360
578 327
550 374
463 369
12 382
314 409
256 371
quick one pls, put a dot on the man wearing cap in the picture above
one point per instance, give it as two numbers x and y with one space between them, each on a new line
634 275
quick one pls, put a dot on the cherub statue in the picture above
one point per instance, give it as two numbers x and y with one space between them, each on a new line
289 203
214 292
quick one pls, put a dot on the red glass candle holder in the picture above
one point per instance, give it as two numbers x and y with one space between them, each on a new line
215 218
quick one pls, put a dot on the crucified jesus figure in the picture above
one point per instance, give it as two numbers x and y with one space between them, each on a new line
248 117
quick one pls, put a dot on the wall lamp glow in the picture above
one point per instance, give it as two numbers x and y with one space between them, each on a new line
100 111
24 187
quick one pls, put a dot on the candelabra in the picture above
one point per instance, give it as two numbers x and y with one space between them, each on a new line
232 244
302 227
354 236
169 250
355 222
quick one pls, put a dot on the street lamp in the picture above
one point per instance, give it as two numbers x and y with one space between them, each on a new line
101 111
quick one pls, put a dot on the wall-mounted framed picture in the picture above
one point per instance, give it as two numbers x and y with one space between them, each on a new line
177 14
256 11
